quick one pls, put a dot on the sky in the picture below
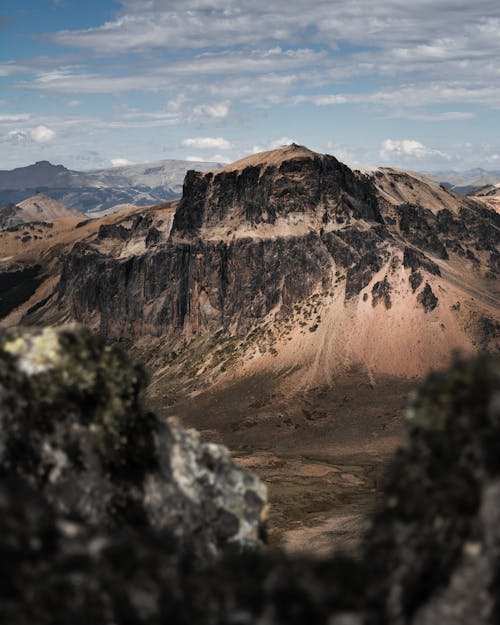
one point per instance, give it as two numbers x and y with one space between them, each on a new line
102 83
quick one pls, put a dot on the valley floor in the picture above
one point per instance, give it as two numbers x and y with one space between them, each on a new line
322 452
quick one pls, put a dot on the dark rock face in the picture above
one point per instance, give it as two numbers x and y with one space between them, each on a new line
419 226
17 285
265 192
414 260
432 555
208 285
71 426
8 215
415 280
427 299
206 278
139 224
434 549
382 292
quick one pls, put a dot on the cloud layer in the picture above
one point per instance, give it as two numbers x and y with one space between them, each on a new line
232 75
39 134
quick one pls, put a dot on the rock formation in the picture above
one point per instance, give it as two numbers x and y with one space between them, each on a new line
255 240
432 554
72 427
393 263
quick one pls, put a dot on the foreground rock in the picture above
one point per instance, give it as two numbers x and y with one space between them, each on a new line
433 553
431 557
72 427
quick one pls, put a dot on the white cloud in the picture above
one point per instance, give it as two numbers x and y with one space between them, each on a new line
120 162
220 158
218 110
277 48
16 136
204 159
14 117
40 134
321 100
447 116
207 143
433 30
183 109
407 148
11 68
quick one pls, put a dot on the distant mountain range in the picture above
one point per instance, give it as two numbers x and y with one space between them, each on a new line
465 182
152 183
148 183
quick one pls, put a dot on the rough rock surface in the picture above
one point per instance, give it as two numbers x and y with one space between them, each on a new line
427 299
71 426
301 182
432 555
263 234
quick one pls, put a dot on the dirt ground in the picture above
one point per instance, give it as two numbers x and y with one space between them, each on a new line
322 452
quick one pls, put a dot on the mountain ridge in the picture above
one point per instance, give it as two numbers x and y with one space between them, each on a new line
341 267
99 189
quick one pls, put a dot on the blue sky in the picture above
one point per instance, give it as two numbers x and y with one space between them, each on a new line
92 84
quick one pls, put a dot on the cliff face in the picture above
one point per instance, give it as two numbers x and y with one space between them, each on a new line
298 182
196 285
263 235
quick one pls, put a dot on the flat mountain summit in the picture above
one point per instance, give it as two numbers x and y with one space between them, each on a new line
324 267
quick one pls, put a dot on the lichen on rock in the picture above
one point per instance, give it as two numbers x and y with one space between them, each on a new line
72 425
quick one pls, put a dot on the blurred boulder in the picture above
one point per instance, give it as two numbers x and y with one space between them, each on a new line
72 426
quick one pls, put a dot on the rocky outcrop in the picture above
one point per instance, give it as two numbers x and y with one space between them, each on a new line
17 284
299 182
381 292
196 285
9 216
431 556
73 428
264 234
427 299
433 553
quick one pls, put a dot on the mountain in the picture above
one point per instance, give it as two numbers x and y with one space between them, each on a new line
37 208
489 195
489 190
284 306
99 189
466 182
323 265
